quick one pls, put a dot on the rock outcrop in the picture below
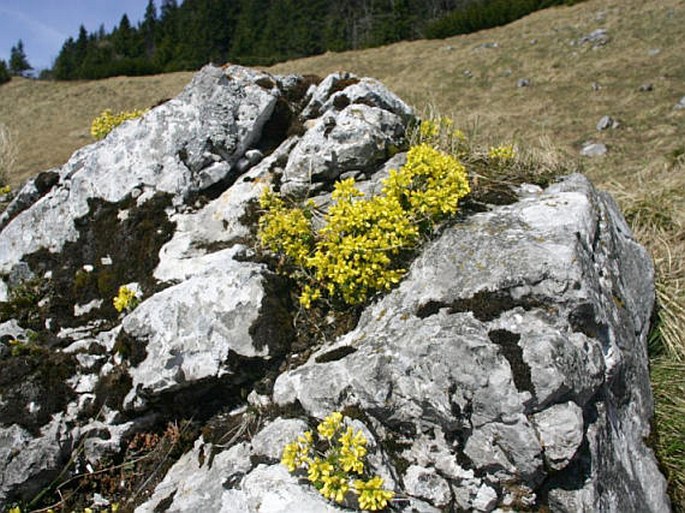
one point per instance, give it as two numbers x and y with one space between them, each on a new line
508 370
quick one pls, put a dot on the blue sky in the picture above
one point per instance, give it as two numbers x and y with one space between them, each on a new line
44 25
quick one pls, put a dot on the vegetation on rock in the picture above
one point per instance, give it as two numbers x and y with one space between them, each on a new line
108 121
334 459
126 299
359 249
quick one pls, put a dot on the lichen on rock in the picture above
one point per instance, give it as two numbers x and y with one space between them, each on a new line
507 370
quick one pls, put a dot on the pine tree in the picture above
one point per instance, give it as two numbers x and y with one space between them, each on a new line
19 64
149 27
4 72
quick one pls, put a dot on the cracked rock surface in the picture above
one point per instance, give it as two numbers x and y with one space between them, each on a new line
506 372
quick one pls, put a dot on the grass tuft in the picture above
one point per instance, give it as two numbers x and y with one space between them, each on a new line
9 153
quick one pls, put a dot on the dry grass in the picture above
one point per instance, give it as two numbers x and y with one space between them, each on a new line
8 154
50 120
477 86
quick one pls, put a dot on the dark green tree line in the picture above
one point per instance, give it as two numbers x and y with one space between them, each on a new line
187 35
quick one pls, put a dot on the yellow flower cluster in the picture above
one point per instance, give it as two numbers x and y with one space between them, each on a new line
356 252
432 182
126 299
355 249
329 471
296 454
107 121
372 496
440 132
5 190
502 153
284 230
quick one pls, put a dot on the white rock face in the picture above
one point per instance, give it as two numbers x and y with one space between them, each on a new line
190 328
184 145
507 372
561 432
426 484
483 354
594 150
358 138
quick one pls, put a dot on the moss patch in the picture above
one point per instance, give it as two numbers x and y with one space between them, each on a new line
82 271
508 343
33 386
485 305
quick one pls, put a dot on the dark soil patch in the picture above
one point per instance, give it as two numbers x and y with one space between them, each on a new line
132 246
32 386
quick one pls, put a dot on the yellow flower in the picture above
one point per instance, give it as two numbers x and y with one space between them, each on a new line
357 251
429 129
330 425
334 488
372 496
318 469
502 153
352 450
297 454
107 121
15 509
126 299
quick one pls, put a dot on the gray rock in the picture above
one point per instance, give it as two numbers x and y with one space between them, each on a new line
560 428
357 138
209 317
24 457
191 329
606 122
593 150
194 483
646 88
232 483
508 370
450 347
368 91
427 484
486 499
173 149
271 440
523 82
320 93
681 104
597 38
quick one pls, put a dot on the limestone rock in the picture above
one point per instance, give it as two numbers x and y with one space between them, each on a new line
452 347
561 432
507 371
597 38
593 150
359 137
606 122
182 146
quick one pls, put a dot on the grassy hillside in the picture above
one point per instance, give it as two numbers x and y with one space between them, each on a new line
48 121
474 80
